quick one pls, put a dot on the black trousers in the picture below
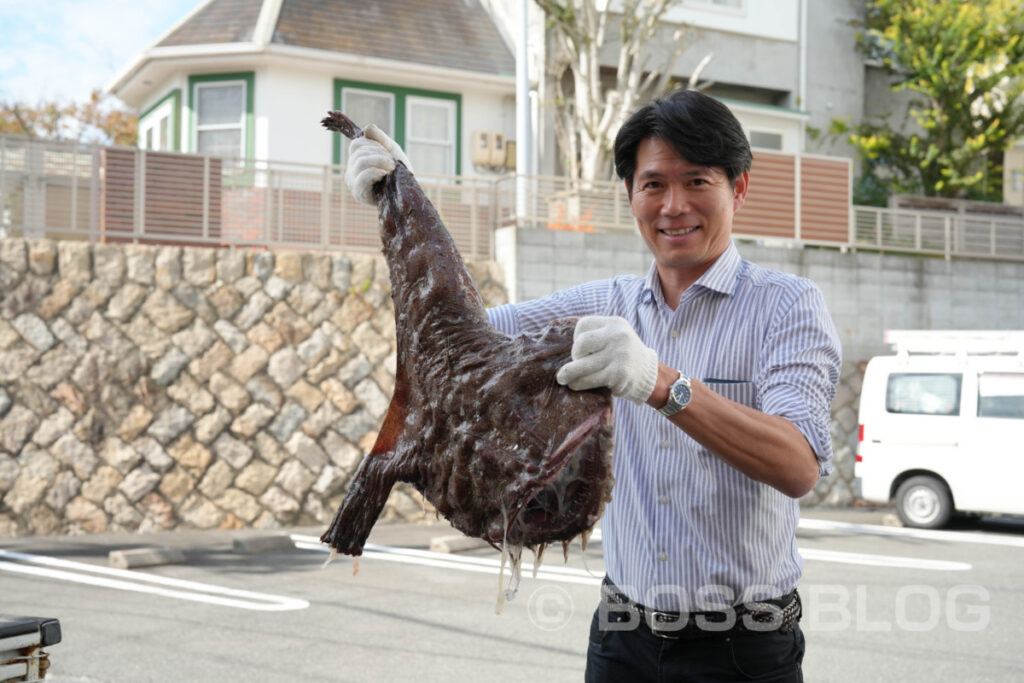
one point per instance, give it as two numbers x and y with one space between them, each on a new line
637 655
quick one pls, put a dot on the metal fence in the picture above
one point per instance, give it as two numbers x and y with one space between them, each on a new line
116 194
64 190
938 233
560 203
800 198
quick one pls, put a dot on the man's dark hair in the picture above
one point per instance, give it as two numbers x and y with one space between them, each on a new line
701 129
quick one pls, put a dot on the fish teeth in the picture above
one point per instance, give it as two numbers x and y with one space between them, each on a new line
538 552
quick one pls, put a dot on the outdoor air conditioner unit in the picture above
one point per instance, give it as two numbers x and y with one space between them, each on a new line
510 155
497 150
488 149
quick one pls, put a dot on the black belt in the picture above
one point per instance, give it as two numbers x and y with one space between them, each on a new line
776 614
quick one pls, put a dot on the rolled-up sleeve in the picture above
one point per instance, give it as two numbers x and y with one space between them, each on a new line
800 368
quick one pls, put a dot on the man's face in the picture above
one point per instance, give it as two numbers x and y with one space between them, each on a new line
684 211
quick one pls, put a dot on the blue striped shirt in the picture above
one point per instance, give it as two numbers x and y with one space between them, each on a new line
684 530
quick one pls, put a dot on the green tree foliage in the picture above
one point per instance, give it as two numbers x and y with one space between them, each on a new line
962 61
101 118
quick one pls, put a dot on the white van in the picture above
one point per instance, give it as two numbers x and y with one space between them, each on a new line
942 425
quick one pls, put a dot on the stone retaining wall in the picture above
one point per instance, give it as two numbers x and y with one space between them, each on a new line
146 388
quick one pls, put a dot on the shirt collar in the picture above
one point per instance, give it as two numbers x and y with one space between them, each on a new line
720 277
724 272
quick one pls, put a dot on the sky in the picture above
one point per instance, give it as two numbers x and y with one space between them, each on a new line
60 50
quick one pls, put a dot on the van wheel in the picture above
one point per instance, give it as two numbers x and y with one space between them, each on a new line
924 503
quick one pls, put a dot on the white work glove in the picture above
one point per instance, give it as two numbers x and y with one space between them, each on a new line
606 352
370 158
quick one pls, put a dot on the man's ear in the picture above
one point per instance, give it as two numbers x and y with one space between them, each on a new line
739 190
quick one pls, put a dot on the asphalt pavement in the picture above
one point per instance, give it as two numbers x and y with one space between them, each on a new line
881 603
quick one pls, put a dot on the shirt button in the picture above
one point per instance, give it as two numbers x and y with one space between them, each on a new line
663 500
663 557
674 334
666 443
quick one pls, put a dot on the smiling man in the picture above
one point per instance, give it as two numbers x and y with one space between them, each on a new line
724 373
728 371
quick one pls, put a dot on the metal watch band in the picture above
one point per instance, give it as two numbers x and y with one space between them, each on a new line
679 395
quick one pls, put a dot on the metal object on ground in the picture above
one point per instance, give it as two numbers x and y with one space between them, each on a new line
22 640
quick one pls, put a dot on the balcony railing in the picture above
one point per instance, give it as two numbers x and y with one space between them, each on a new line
802 198
116 194
938 233
66 190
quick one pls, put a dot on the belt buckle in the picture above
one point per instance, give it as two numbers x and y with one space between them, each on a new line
655 617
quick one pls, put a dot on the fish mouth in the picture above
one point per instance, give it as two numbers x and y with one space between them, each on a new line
569 495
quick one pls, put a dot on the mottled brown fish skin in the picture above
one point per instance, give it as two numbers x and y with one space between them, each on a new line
478 423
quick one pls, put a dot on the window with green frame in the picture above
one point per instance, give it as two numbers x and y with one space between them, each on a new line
221 115
427 124
159 129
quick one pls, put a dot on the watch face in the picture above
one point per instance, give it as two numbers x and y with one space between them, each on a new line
680 393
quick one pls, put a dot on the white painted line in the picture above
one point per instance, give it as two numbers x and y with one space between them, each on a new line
40 565
882 560
483 565
924 534
572 575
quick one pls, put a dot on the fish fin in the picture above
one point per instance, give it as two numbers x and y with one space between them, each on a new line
371 484
361 508
394 421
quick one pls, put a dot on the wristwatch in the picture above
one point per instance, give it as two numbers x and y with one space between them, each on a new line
679 395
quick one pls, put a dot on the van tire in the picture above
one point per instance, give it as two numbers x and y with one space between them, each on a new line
924 503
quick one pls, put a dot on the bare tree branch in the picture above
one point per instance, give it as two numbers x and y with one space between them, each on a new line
590 112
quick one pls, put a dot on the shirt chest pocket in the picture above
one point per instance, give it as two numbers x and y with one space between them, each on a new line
744 393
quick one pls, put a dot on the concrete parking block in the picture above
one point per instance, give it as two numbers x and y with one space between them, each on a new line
145 557
262 544
456 544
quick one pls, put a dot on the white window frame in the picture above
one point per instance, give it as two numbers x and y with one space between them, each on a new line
768 131
220 126
389 96
451 142
151 124
713 6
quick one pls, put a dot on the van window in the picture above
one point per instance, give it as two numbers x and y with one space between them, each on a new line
1001 394
923 394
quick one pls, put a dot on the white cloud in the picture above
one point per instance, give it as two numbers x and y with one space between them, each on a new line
63 49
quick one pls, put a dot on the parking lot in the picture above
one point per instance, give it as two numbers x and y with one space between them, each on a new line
882 603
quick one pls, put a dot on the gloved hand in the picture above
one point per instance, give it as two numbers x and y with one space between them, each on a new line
606 352
370 158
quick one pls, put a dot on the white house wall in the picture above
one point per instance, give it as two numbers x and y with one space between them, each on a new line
294 100
292 95
485 112
777 19
766 66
